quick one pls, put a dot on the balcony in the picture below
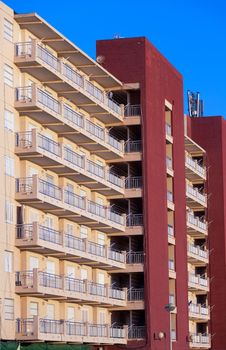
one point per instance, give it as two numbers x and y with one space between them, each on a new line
172 272
46 196
196 227
194 171
134 263
42 329
169 166
197 283
199 341
40 283
41 150
169 136
136 332
195 199
36 103
132 115
197 255
135 300
170 203
199 312
57 74
171 237
133 187
45 240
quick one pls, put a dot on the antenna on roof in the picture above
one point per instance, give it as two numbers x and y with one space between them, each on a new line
117 36
195 105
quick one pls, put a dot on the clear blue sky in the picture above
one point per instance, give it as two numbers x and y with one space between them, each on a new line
191 34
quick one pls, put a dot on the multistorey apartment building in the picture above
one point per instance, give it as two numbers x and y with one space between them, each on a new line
104 229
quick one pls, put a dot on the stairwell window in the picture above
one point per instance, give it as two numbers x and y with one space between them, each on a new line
8 309
9 166
9 120
8 75
8 261
8 30
9 208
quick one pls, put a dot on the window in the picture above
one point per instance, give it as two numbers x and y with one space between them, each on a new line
101 238
33 308
50 267
71 271
8 30
9 120
70 187
9 166
9 208
70 229
101 278
82 193
85 315
8 75
84 274
33 216
70 313
9 309
33 262
48 222
8 259
50 310
83 232
102 317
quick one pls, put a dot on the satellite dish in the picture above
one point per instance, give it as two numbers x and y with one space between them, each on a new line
100 59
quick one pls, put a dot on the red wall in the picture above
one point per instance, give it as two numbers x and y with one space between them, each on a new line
137 60
210 133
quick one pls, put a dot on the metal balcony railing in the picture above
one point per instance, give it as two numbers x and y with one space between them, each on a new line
95 168
74 158
200 338
49 145
134 220
196 167
197 279
133 182
24 49
137 332
197 250
195 220
28 326
135 257
133 146
195 193
135 294
132 110
26 186
117 293
75 285
25 94
198 309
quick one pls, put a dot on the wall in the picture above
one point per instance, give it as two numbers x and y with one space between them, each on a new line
136 60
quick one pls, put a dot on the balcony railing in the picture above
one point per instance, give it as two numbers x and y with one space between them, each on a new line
134 220
133 182
137 332
32 278
194 192
199 310
27 94
198 280
195 220
135 294
201 339
197 250
132 110
30 184
28 139
41 327
133 146
135 257
195 166
67 73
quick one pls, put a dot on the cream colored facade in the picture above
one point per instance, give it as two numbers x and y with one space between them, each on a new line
60 186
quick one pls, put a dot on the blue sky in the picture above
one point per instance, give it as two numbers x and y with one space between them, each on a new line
191 34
